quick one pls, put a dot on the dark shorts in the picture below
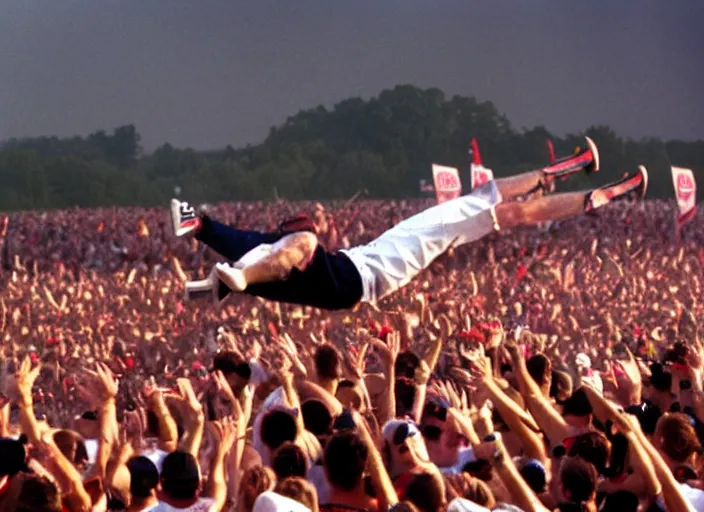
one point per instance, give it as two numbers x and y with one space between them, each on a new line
331 281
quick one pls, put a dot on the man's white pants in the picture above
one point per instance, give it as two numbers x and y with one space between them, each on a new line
401 253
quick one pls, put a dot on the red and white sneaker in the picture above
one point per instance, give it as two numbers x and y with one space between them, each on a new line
632 186
184 218
585 159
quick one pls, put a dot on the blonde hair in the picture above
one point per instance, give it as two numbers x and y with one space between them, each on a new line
300 490
255 481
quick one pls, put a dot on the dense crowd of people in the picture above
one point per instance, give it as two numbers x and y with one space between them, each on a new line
548 368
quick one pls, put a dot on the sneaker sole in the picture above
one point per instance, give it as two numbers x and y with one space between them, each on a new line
180 229
644 173
595 154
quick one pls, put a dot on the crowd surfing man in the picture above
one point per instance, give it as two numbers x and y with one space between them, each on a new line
291 266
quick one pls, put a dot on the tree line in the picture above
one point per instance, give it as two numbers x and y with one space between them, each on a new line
385 145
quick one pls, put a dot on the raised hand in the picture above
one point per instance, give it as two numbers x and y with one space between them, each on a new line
188 397
20 387
390 349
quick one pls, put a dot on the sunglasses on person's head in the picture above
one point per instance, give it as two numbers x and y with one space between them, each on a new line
403 432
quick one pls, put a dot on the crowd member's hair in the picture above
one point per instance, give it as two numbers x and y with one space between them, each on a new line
561 386
533 472
539 368
593 447
345 458
620 501
144 477
619 456
577 405
677 437
300 490
277 427
37 494
72 446
578 478
255 480
406 364
466 486
229 362
426 492
327 362
180 476
648 416
316 417
405 392
660 379
289 460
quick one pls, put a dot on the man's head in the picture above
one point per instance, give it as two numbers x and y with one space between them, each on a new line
236 371
441 433
593 447
404 447
144 477
180 476
577 410
278 427
540 369
345 458
561 386
578 480
316 418
289 460
28 492
676 438
427 492
72 446
327 363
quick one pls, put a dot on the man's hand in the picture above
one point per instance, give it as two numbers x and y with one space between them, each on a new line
390 350
20 387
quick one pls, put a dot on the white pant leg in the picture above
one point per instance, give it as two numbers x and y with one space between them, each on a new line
401 253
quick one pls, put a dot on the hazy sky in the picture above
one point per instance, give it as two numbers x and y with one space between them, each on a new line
211 72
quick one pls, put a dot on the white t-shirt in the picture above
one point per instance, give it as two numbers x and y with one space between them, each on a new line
694 496
202 505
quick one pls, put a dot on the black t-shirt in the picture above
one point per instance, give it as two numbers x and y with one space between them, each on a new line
331 281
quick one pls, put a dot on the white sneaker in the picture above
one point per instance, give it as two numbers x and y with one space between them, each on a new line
232 277
203 288
183 218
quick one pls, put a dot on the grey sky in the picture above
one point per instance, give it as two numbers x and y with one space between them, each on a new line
211 72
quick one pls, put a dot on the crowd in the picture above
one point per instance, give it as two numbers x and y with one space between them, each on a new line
548 368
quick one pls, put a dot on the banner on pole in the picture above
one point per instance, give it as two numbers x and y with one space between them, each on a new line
480 175
686 192
447 183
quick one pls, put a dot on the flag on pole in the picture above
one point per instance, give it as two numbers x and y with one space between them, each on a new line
478 173
474 156
551 151
686 193
447 183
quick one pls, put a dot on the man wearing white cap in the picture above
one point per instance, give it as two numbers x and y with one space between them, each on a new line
586 374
